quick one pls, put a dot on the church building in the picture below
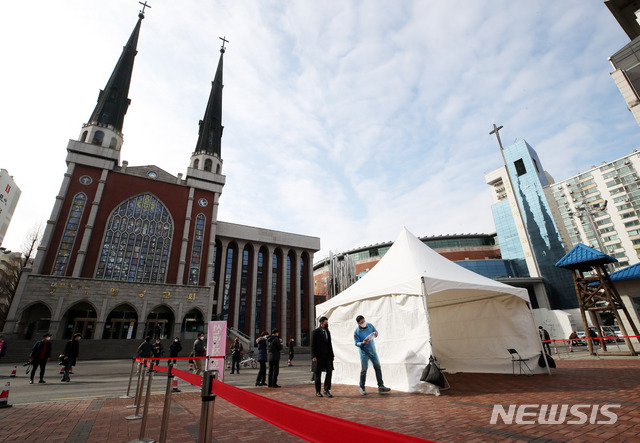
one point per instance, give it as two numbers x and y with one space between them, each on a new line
131 251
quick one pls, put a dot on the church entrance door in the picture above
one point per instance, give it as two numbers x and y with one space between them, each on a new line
157 328
85 327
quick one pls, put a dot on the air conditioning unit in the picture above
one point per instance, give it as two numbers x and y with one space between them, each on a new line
559 188
570 191
615 176
627 162
626 199
636 178
577 232
575 199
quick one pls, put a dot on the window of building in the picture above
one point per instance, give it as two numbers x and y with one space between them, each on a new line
137 241
196 250
520 168
113 142
535 164
84 136
69 234
98 137
207 165
196 163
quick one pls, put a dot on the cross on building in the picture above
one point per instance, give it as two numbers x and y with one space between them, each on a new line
224 40
495 131
144 5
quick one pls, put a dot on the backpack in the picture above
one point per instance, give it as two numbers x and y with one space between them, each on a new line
552 363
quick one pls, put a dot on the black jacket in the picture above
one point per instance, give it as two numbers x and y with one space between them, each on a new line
273 348
71 351
175 347
36 352
145 350
198 348
322 349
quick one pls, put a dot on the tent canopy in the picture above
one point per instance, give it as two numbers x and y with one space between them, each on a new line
468 323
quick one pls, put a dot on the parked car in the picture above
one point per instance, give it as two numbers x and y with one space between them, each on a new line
581 339
612 331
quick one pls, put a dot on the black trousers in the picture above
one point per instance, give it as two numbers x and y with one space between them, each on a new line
235 362
327 380
43 367
262 373
274 370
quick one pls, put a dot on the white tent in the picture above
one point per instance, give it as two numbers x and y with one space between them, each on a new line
468 323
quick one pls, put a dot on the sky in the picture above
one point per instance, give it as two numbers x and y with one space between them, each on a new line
344 120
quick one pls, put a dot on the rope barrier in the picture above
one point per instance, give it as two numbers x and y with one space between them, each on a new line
308 425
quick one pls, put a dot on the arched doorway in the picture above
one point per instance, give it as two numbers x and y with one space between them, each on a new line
160 323
121 323
192 324
79 319
34 321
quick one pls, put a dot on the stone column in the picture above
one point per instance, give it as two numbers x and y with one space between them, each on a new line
254 292
223 272
311 296
185 239
86 237
269 284
283 296
297 330
237 277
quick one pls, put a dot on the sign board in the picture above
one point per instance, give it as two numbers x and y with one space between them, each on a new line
9 195
216 345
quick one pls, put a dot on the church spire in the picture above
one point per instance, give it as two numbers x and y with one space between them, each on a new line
210 133
113 101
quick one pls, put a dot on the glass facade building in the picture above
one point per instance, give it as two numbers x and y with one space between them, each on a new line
532 212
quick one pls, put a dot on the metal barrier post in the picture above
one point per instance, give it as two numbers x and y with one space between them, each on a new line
136 396
147 400
133 365
137 415
167 405
205 433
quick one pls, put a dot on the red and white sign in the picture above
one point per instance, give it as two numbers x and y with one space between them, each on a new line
216 344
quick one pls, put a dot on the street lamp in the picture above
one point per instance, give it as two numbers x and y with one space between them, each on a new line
590 211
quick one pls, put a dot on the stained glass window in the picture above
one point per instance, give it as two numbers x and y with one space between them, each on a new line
196 250
137 241
69 234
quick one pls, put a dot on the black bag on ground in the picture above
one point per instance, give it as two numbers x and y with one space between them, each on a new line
552 363
432 374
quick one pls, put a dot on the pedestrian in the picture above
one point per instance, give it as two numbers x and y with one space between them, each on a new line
198 351
71 352
273 355
290 345
40 355
3 347
322 356
573 340
545 338
158 351
261 342
236 355
363 336
175 349
145 350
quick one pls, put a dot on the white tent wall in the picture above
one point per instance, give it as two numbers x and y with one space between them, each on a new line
474 337
402 345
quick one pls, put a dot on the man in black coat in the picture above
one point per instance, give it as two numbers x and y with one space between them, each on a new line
322 356
71 352
40 355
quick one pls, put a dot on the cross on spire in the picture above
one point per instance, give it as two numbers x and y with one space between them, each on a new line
144 5
495 131
224 40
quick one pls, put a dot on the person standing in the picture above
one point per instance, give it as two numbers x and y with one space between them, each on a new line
40 355
236 355
198 351
158 351
261 342
322 356
545 338
273 354
145 350
175 349
3 347
363 336
290 345
71 352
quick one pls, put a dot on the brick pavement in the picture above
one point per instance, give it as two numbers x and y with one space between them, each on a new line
462 414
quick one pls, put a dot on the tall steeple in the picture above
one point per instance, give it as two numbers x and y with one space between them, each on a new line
104 127
207 155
